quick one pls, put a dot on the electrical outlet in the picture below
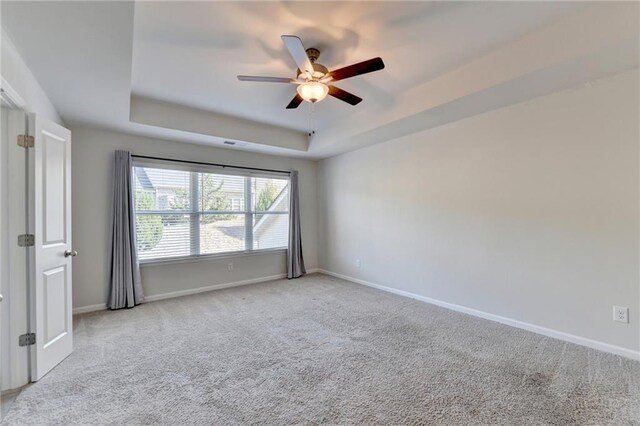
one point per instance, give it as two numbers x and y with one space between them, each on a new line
621 314
230 266
358 263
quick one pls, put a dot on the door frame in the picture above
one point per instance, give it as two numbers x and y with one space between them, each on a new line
16 301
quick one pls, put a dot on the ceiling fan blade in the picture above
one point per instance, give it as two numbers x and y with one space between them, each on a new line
345 96
298 53
360 68
264 79
295 102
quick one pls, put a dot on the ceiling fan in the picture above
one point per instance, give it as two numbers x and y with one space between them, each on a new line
314 80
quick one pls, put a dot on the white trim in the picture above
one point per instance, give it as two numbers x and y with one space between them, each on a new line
11 94
170 295
89 308
560 335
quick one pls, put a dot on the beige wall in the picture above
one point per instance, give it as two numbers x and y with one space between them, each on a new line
528 212
92 162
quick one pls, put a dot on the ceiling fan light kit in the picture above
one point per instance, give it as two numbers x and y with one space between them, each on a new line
313 91
314 80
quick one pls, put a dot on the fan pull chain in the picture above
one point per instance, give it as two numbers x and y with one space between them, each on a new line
311 116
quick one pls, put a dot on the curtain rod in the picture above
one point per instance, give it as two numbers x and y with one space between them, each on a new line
224 166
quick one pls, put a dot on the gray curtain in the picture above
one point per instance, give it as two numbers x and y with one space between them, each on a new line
295 260
125 289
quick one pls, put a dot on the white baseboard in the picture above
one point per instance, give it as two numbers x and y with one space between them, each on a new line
89 308
179 293
560 335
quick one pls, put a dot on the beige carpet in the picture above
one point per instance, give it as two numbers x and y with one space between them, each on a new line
321 350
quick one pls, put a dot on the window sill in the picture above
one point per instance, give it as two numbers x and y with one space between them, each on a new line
189 259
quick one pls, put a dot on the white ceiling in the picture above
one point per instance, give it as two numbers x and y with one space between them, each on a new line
90 57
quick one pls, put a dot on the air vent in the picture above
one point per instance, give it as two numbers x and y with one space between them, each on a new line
229 143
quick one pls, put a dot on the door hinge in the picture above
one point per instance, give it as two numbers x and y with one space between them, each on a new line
25 141
27 339
26 240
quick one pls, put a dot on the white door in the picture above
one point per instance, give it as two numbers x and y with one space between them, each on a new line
50 220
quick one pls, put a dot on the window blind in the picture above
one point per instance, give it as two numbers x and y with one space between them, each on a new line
184 211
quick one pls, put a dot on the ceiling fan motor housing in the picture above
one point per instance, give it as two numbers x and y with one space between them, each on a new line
319 69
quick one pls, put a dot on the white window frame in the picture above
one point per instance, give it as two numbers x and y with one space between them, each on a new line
248 211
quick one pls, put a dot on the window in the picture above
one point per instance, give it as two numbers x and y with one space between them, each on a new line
187 212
